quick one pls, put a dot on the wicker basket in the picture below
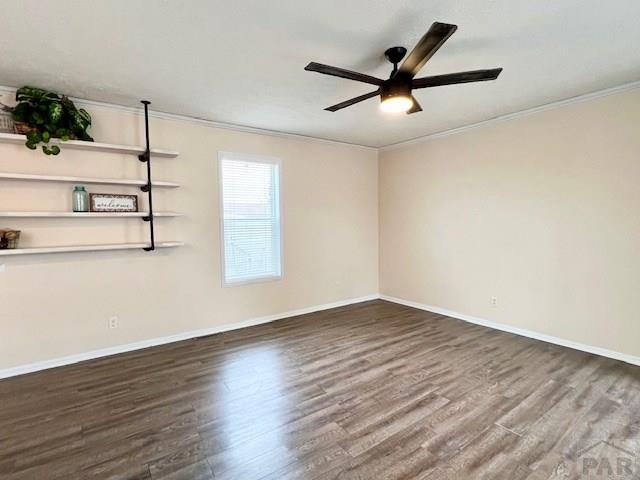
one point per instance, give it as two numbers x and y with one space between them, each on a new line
6 122
22 128
9 239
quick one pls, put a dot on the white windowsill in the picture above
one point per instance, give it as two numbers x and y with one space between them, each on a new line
249 281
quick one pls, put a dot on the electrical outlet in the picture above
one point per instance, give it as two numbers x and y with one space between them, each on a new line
1 267
494 301
113 322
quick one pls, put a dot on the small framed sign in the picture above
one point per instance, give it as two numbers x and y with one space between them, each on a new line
106 202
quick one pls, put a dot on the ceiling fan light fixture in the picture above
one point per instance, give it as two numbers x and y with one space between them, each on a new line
396 93
397 104
395 96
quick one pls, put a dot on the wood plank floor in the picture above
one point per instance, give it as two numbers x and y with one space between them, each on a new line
369 391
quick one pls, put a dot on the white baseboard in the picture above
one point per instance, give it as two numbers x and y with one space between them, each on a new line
517 331
104 352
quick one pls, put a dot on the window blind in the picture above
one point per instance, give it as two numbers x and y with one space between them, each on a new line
250 218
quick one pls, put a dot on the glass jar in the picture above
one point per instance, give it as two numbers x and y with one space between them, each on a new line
80 199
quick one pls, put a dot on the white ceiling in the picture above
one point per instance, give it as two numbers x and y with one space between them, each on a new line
242 62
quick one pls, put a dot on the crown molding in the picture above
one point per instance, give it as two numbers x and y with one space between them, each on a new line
207 123
512 116
392 146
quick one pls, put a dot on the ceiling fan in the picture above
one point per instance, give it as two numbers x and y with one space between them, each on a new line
396 92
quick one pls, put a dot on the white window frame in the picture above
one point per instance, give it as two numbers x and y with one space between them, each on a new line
255 159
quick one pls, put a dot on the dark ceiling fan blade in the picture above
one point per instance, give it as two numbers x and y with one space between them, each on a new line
453 78
352 101
426 47
416 106
342 73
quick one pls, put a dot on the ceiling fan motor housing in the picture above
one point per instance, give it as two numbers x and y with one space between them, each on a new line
395 87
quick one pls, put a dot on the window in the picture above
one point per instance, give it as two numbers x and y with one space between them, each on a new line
250 218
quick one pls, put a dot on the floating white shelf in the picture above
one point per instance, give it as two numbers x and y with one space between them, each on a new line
93 146
86 214
94 180
86 248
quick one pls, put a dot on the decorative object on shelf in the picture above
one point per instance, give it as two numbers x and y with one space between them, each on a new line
80 199
9 239
22 128
143 153
106 202
6 120
42 116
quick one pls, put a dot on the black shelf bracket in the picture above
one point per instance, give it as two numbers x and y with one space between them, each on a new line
146 158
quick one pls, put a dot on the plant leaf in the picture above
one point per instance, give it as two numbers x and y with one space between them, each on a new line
35 95
37 118
84 114
55 112
33 137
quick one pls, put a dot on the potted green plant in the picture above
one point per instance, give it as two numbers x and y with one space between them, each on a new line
42 115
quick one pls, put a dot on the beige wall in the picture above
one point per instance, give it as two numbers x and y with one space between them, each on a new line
57 305
542 212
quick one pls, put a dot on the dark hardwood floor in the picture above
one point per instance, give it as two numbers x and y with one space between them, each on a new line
370 391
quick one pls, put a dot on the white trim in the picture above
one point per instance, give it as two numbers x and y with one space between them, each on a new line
223 264
104 352
209 123
249 157
517 331
275 133
511 116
